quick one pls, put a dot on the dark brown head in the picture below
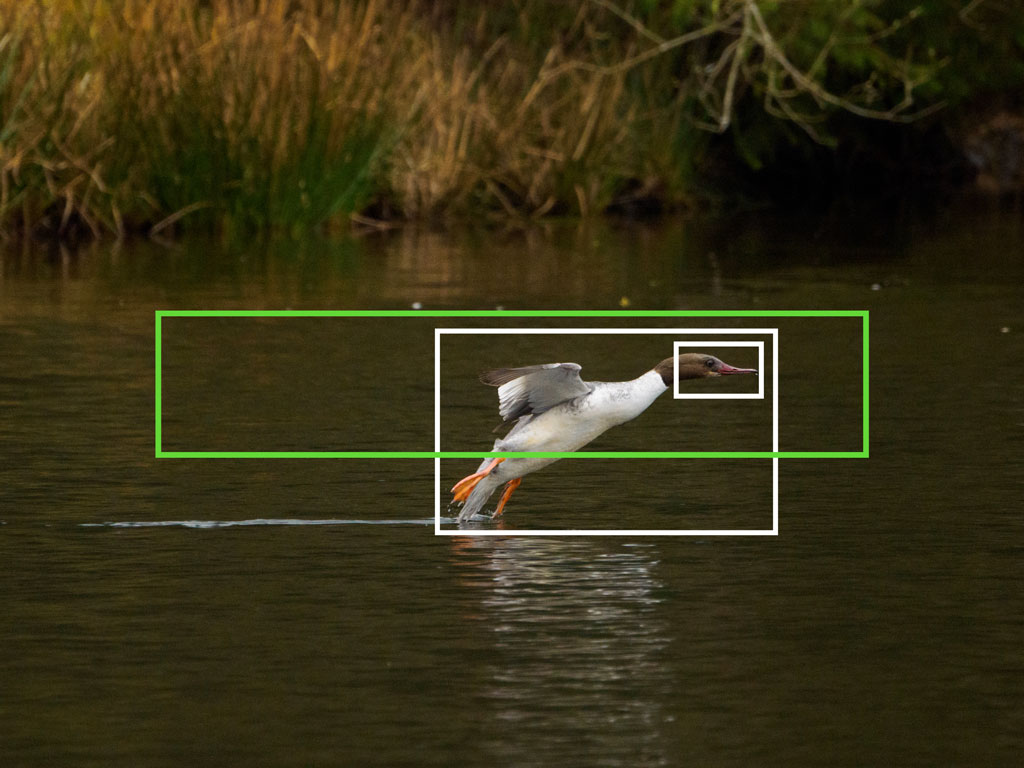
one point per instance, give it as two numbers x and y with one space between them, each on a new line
694 365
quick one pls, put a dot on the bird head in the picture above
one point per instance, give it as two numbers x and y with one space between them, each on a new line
695 365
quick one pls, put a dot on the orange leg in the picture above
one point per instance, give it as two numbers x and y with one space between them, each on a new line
510 486
465 486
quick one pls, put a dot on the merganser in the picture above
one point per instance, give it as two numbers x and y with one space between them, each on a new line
556 410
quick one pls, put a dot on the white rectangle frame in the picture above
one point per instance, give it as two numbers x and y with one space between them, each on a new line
759 395
773 531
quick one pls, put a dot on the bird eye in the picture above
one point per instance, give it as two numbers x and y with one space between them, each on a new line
709 363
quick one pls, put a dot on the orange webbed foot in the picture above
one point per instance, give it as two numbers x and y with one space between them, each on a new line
465 486
510 486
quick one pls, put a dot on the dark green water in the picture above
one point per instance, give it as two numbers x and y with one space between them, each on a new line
883 625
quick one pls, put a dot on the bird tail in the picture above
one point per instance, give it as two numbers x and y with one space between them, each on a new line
481 492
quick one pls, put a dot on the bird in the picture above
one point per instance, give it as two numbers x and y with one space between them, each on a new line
555 410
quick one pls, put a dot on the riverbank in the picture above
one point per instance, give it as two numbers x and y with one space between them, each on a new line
181 115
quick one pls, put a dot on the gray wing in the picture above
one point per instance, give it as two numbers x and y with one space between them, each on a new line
535 388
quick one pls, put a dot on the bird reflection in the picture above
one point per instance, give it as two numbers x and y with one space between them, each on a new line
578 648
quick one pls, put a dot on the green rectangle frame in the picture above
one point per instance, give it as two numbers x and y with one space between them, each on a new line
162 454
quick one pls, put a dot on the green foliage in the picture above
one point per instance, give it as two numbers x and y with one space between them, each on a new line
286 116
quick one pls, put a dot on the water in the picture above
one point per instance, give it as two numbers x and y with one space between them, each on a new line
301 612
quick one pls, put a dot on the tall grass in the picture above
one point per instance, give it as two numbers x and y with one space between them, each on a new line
269 114
298 113
291 114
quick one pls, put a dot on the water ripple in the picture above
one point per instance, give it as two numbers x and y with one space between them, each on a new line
257 521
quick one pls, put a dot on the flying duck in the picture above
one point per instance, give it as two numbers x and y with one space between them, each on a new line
555 410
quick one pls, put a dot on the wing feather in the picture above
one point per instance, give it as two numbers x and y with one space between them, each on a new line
534 389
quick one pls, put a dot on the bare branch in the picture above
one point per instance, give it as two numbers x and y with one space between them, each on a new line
822 95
